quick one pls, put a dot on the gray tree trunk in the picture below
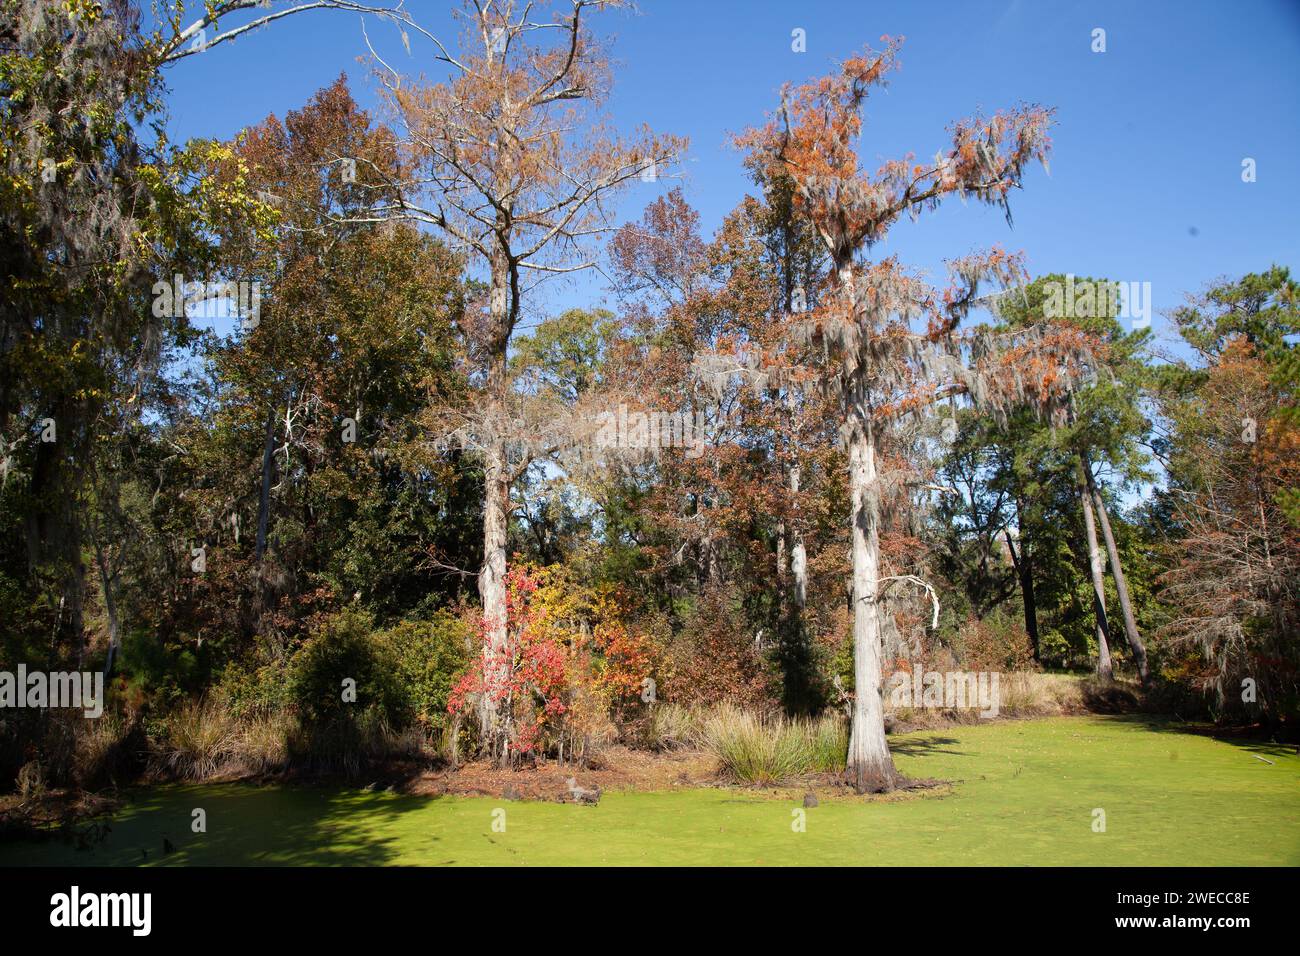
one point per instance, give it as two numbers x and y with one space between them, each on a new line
492 596
1121 586
264 501
798 553
1096 570
494 708
869 766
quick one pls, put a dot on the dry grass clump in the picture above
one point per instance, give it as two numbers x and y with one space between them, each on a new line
755 748
199 740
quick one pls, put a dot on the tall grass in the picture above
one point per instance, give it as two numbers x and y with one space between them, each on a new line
753 748
673 727
1020 694
200 738
1030 694
31 783
828 737
263 743
107 752
200 741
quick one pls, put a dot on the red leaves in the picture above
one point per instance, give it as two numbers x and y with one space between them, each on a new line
529 677
549 680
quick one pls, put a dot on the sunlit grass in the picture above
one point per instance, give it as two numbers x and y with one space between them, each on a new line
1023 792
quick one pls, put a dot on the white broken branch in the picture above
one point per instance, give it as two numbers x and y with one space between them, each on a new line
913 579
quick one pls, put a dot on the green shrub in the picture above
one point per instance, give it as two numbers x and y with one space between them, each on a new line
250 691
167 675
429 657
351 746
340 657
267 719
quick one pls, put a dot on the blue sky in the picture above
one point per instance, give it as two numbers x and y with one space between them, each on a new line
1145 182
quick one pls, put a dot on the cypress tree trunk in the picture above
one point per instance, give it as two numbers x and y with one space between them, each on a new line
497 664
869 766
492 597
798 554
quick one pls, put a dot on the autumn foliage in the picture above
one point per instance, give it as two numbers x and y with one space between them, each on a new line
572 663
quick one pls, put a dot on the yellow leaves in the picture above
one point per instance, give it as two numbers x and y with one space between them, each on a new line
89 11
561 603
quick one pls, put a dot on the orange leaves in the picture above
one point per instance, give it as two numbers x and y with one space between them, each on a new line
1231 580
812 137
662 253
989 154
922 395
509 156
1042 370
628 659
1238 390
812 131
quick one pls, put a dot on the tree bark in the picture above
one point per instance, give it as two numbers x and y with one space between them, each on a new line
1023 563
794 474
492 597
1121 585
798 553
494 704
1096 571
264 502
869 766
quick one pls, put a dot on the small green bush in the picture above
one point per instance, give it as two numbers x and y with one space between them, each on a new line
429 657
341 656
250 691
